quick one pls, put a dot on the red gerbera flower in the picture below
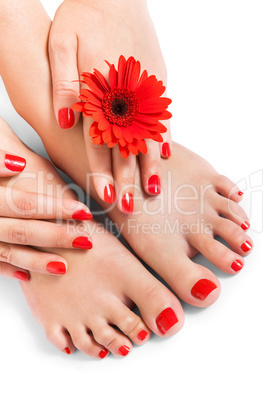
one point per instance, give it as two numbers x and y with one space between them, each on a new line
125 110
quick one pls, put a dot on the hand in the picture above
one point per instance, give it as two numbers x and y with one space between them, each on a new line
83 35
22 224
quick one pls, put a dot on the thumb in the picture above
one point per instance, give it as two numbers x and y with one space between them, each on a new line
10 164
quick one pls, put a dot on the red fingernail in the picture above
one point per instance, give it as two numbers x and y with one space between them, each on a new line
202 289
67 351
83 243
166 320
66 118
154 185
103 353
15 163
109 194
82 215
124 350
246 246
127 203
166 150
240 193
22 276
142 335
245 225
56 267
237 265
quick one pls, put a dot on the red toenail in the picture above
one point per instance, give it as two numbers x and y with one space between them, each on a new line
246 246
82 242
103 353
66 118
202 289
67 350
245 225
124 350
154 185
109 194
127 203
237 265
82 215
142 335
21 276
166 320
166 150
240 193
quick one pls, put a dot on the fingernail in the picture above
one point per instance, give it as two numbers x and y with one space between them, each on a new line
166 319
142 335
246 246
127 203
15 163
83 243
166 150
109 194
240 193
56 267
245 225
82 215
22 276
202 289
103 353
124 350
237 265
67 351
154 185
66 117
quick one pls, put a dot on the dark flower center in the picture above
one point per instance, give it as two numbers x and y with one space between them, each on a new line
120 106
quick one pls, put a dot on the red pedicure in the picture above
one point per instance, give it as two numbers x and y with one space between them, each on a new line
67 351
66 118
83 243
142 335
246 246
245 225
154 185
56 267
22 276
82 215
240 193
166 320
202 289
127 203
166 150
103 353
237 265
124 350
15 163
109 194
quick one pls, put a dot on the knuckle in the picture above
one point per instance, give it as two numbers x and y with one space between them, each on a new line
60 46
26 206
65 88
5 252
19 234
104 337
129 324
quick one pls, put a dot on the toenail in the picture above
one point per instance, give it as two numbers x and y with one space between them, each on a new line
237 265
246 246
127 203
21 276
240 193
124 350
83 243
154 185
142 335
166 320
103 353
202 289
166 150
245 225
56 267
67 351
82 215
66 118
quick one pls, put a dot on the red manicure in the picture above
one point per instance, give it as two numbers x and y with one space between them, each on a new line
82 215
66 118
22 276
166 320
67 350
15 163
56 267
124 350
240 193
202 289
82 242
166 150
103 353
142 335
246 246
154 185
127 203
237 265
109 194
245 225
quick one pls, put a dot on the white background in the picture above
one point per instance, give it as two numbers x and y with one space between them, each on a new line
216 54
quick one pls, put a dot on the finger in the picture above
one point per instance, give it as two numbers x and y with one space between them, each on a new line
12 272
166 145
151 169
10 164
44 234
100 163
19 204
124 173
33 260
63 62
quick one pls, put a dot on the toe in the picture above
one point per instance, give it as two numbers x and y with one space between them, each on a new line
227 188
232 211
60 338
84 341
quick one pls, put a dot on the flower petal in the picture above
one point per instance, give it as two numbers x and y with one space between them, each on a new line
117 131
113 77
102 80
79 106
104 124
142 146
91 97
98 116
107 135
121 70
155 105
94 131
124 151
150 88
93 84
112 143
122 142
126 133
